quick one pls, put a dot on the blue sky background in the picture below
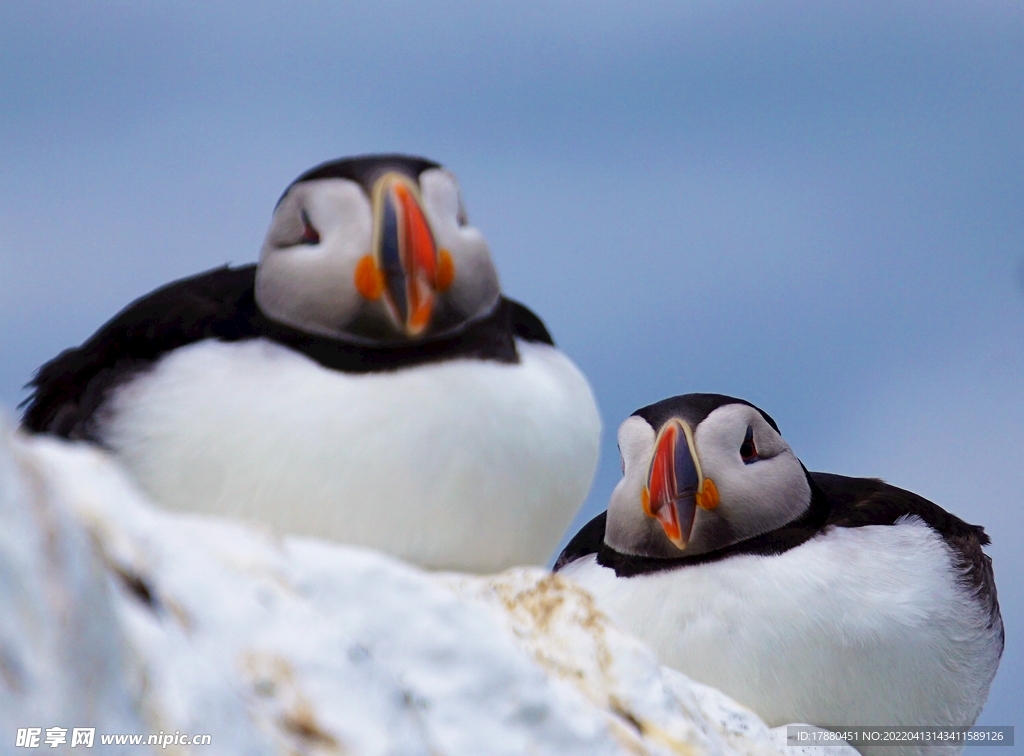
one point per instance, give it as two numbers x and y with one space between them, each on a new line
818 207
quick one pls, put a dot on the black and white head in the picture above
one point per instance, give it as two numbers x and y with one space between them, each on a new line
375 250
702 472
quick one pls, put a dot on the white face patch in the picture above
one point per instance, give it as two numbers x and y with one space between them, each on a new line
754 496
629 530
636 442
323 270
311 285
475 288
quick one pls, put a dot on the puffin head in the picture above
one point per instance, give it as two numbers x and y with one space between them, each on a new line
701 472
375 250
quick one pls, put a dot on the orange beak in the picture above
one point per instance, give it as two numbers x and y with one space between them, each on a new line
675 485
406 269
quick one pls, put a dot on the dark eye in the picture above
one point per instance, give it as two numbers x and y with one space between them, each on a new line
622 461
748 451
309 234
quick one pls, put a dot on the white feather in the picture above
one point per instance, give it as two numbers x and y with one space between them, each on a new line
463 464
858 626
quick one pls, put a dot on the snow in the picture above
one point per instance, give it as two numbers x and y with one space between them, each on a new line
130 619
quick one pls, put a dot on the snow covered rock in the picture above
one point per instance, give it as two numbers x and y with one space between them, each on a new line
128 619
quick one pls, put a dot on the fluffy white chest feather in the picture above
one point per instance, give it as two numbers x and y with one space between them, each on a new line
859 626
463 464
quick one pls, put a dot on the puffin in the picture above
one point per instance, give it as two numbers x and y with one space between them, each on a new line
806 596
365 382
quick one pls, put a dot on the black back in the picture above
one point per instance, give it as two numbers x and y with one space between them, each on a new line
220 304
836 502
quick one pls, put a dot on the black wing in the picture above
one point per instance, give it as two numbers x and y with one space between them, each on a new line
68 389
856 502
527 325
589 540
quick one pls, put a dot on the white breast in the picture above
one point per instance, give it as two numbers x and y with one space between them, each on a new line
859 626
464 464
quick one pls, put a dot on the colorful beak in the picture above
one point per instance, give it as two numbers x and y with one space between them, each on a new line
675 485
406 267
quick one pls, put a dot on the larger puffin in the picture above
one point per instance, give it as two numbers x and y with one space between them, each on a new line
365 382
809 597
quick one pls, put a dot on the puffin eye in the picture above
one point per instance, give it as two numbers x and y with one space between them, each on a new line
460 215
309 234
748 452
622 461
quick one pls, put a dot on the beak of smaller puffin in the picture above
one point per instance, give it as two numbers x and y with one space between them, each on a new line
406 268
675 486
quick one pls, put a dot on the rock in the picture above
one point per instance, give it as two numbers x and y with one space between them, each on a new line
129 619
63 657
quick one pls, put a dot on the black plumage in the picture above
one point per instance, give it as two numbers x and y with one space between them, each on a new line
365 169
219 304
693 408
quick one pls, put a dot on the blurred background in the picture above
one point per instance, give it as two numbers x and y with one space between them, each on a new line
818 207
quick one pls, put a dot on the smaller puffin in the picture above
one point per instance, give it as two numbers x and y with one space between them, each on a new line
365 382
808 597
